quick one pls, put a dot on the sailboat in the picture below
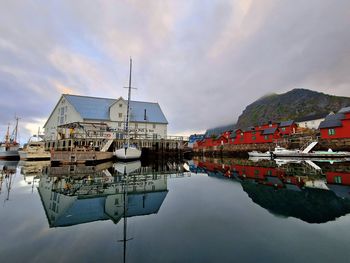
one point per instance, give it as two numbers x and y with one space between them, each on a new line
128 151
9 148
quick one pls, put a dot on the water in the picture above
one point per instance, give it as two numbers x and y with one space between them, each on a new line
231 210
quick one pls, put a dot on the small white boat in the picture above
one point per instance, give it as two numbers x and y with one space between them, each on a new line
128 152
259 154
34 151
283 152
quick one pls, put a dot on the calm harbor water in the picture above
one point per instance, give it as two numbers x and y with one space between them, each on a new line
202 210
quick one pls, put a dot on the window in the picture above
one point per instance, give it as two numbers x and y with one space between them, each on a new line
120 115
254 138
337 179
154 126
136 126
331 131
283 128
119 124
266 137
120 105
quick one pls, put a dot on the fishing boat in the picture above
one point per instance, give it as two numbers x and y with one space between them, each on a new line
308 154
34 150
9 148
128 151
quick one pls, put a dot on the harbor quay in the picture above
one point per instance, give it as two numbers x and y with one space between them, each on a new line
92 147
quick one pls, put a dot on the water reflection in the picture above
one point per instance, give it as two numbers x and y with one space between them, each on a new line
173 215
7 174
98 195
312 192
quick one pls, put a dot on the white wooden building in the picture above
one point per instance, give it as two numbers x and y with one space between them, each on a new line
146 118
312 121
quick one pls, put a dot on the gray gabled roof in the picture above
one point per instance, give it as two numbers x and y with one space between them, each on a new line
233 135
92 108
332 121
313 117
269 131
286 123
218 130
344 110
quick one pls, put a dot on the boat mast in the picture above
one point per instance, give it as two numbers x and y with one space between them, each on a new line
128 109
7 137
125 208
16 130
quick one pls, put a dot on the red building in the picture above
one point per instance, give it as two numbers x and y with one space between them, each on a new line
338 178
287 128
336 126
264 133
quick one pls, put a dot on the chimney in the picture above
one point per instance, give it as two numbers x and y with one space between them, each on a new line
145 115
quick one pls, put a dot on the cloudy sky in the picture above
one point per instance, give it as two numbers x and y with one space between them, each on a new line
202 60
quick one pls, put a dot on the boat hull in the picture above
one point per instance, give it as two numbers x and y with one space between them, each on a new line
9 155
128 153
314 155
34 155
259 154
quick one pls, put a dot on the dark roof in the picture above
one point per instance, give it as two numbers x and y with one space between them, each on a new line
313 117
233 135
344 110
286 123
250 128
269 131
332 121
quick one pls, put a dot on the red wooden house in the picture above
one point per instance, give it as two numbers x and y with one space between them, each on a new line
338 178
287 128
336 126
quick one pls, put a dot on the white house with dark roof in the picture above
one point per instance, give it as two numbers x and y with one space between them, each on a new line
146 118
312 121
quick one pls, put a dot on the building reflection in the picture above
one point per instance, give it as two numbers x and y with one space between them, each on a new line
313 193
74 195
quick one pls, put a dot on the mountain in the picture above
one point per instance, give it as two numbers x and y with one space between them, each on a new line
295 104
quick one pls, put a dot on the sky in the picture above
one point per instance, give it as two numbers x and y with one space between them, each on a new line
203 61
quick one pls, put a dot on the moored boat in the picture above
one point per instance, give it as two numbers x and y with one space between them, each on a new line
282 152
9 148
34 151
128 151
259 154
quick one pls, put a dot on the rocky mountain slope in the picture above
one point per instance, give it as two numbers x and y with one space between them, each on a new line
294 104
